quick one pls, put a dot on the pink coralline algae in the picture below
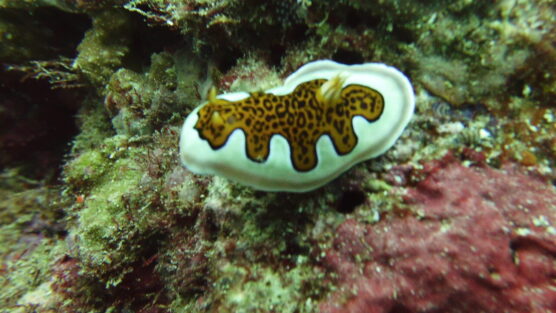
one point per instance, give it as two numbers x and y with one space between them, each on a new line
476 239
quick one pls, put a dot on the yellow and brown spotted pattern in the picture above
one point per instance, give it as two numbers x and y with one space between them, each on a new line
299 117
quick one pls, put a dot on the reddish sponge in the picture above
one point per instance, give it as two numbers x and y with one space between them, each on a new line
480 240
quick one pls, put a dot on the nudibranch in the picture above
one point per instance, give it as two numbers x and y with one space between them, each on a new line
325 118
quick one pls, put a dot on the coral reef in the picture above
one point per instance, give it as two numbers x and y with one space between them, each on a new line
98 215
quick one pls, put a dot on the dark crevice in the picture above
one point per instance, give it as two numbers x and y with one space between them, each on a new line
36 121
49 33
276 53
404 34
399 308
347 57
226 60
147 40
349 200
36 125
353 18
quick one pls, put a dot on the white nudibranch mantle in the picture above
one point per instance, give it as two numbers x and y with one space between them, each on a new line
297 137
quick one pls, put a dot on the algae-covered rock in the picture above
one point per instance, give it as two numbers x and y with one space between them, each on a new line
248 289
106 179
119 225
31 229
474 233
142 103
104 46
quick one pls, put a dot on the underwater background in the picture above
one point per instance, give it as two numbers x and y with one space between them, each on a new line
98 215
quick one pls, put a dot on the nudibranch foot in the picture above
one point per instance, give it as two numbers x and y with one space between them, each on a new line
297 137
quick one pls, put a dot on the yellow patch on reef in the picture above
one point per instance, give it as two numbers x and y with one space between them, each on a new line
315 108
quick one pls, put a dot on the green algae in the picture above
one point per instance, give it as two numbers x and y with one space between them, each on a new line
28 279
30 245
104 46
107 176
139 103
257 288
94 126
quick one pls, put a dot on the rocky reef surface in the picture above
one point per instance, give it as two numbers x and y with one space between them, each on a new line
98 215
475 239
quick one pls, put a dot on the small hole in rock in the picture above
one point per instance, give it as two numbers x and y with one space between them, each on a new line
357 19
399 308
276 54
404 34
349 200
227 59
347 57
